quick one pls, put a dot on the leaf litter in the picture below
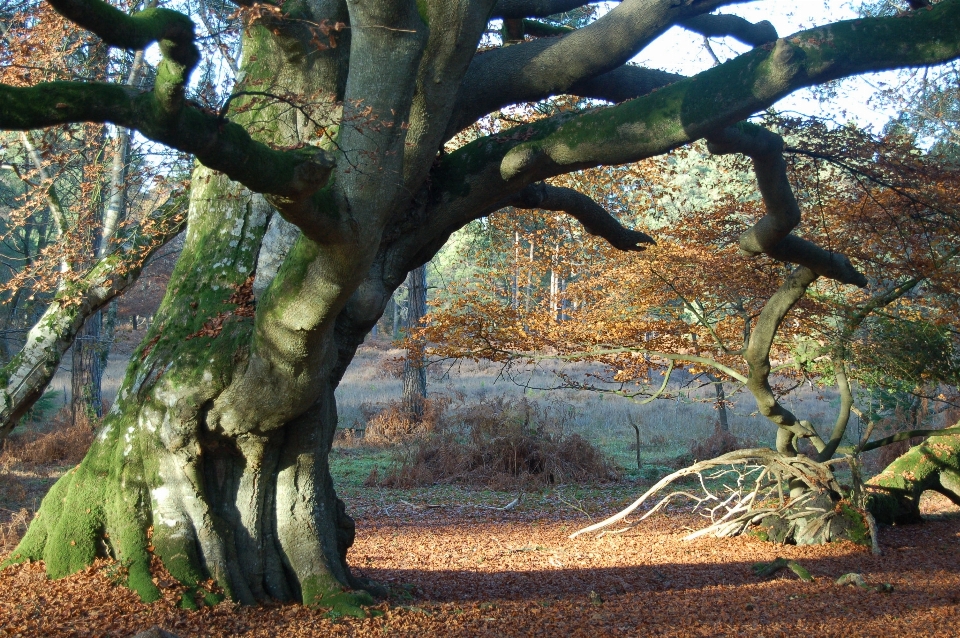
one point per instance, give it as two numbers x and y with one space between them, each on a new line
470 571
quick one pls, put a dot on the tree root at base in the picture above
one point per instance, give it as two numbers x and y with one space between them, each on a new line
754 500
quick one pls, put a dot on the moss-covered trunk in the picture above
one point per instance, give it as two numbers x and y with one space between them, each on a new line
932 465
253 508
214 457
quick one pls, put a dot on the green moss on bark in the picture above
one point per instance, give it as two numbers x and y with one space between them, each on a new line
327 593
932 465
96 509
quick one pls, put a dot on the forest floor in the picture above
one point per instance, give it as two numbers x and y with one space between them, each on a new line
458 565
455 567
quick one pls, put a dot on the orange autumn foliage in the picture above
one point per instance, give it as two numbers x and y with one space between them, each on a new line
544 288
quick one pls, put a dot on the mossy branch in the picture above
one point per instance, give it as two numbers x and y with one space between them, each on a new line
536 69
134 31
544 30
519 9
223 146
163 115
906 436
691 108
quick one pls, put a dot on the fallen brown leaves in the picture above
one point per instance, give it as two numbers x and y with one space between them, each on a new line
460 571
242 297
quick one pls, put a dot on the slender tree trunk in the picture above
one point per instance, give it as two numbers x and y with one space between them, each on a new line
515 301
86 403
721 403
395 328
91 349
414 372
108 331
528 300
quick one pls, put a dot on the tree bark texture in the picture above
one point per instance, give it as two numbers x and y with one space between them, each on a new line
414 370
86 401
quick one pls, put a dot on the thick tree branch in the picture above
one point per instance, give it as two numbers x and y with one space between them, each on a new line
173 31
539 29
594 218
444 61
223 146
758 357
289 178
135 31
771 234
690 109
796 250
516 9
534 70
906 436
624 83
719 26
765 148
483 176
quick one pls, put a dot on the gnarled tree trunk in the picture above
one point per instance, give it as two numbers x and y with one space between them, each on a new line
251 503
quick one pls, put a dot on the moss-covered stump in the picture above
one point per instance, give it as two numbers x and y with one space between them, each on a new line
932 465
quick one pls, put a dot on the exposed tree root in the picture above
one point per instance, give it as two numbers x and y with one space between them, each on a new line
757 502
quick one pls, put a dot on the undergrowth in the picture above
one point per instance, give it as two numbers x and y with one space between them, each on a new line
28 460
391 424
60 443
498 443
717 444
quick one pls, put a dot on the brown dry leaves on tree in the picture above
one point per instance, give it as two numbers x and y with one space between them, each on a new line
544 288
63 174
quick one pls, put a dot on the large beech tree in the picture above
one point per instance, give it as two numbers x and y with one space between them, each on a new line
319 185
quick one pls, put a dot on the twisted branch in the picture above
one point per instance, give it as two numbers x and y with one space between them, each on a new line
771 234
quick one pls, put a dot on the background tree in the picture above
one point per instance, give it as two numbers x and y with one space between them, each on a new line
339 118
414 365
75 188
